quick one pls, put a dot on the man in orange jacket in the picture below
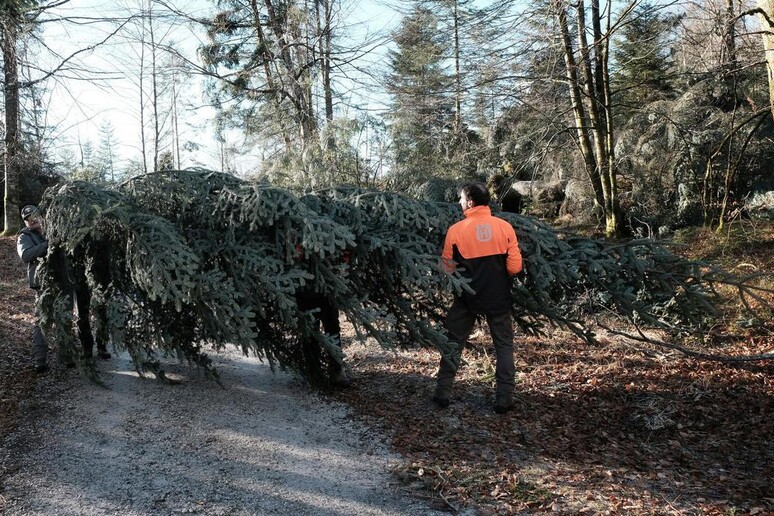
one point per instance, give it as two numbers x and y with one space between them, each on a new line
487 252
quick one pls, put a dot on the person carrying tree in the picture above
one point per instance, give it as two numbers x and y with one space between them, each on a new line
325 311
32 245
76 281
487 252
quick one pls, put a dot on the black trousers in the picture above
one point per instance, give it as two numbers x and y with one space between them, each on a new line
82 302
459 324
326 314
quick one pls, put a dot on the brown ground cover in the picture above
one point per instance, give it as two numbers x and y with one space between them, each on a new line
617 427
596 429
17 380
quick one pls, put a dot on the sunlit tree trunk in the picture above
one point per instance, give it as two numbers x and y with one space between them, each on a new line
589 89
143 149
154 88
767 23
457 71
299 96
175 126
12 220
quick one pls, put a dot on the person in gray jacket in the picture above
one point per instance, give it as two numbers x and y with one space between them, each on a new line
32 246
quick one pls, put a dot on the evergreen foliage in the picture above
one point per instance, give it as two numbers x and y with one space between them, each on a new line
182 260
643 60
421 98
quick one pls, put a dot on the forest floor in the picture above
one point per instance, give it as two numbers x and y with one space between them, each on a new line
618 427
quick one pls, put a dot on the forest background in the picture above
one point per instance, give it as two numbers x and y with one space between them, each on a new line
632 118
642 117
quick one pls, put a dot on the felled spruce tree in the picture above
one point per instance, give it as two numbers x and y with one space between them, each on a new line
182 260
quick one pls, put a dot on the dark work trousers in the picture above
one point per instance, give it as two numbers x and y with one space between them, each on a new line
327 314
459 324
39 344
82 302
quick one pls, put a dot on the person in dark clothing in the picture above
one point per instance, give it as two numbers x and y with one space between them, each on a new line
487 252
82 303
31 245
325 311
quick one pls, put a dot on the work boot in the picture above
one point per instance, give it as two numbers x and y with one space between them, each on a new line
503 402
442 396
340 379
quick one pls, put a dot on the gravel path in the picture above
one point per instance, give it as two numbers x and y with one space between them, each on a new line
264 444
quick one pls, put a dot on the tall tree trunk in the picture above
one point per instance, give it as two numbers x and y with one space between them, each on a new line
579 111
590 98
175 127
729 38
767 22
457 71
605 133
268 59
154 89
297 72
12 220
143 149
324 29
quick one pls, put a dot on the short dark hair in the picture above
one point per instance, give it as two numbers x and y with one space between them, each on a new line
476 192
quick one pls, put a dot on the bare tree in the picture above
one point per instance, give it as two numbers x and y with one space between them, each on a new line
766 16
588 82
11 21
149 41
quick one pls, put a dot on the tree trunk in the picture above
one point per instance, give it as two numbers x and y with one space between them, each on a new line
729 38
143 149
606 132
767 22
12 221
154 89
324 29
579 111
175 126
590 98
268 58
457 72
296 72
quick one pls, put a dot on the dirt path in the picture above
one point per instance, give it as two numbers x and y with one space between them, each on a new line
264 444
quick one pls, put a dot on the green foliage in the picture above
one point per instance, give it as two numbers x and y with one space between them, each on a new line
332 159
182 260
419 87
643 61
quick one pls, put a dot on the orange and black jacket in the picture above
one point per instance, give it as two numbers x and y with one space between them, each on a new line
486 250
